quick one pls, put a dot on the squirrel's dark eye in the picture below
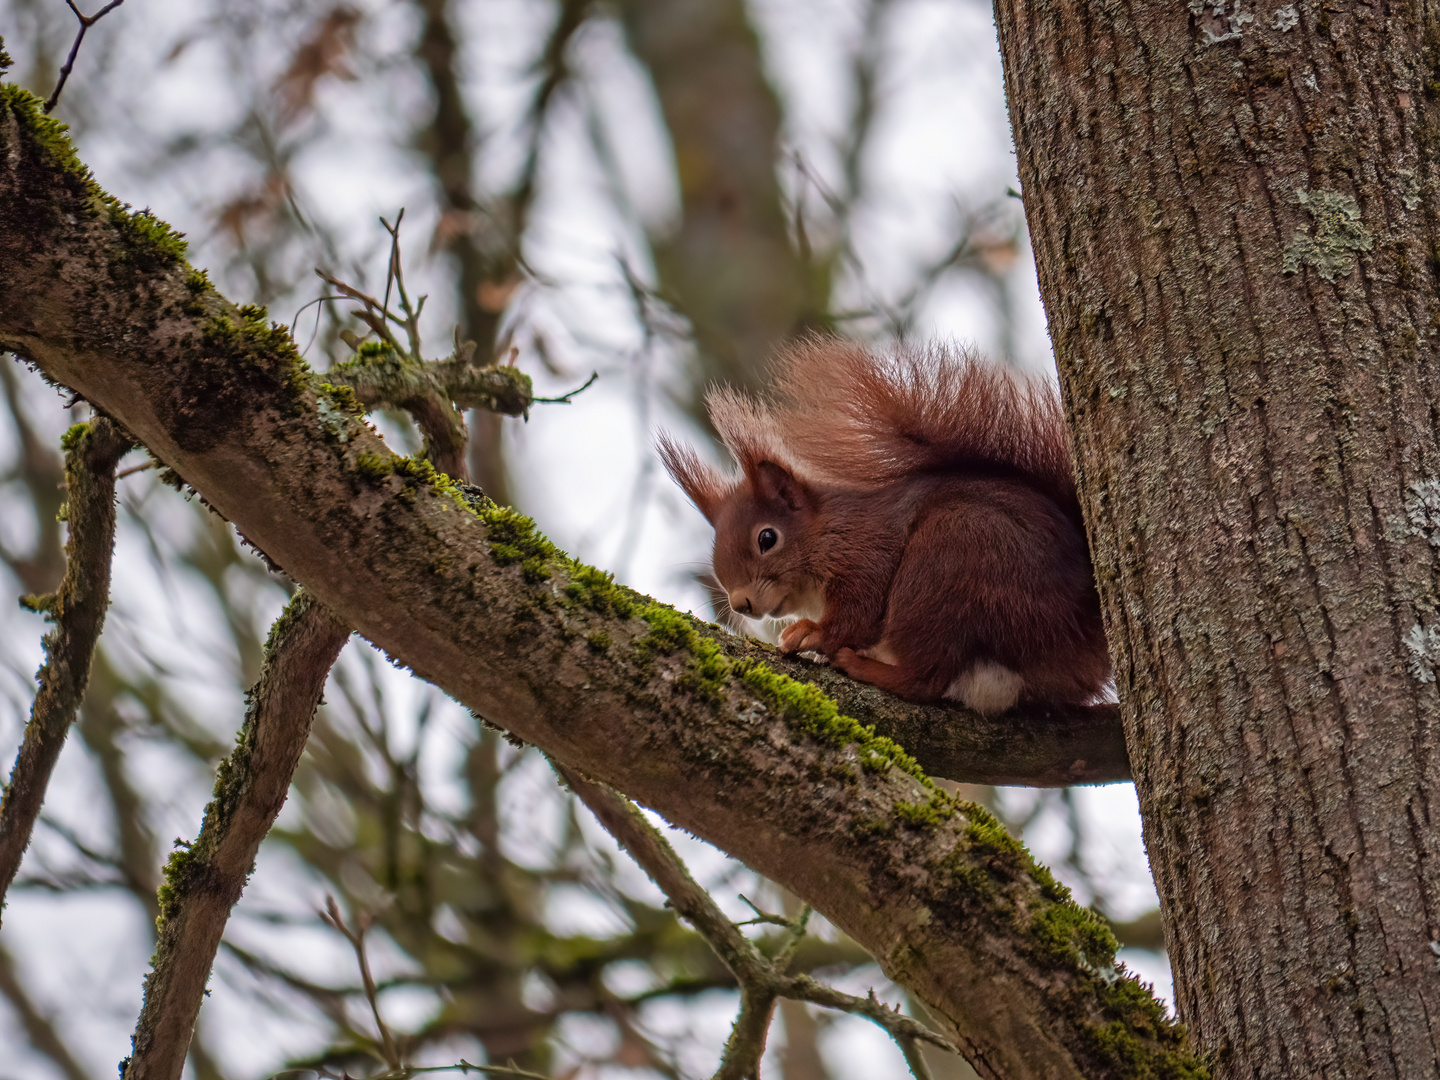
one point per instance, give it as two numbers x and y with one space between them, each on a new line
767 539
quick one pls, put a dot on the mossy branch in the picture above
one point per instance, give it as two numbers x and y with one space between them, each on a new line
385 373
92 452
723 738
204 879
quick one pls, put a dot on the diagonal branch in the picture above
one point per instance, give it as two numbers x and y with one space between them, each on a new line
715 735
78 609
204 879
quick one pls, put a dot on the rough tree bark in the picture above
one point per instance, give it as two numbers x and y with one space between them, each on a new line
204 879
1233 210
710 732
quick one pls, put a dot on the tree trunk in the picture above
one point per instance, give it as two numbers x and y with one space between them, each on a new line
1233 215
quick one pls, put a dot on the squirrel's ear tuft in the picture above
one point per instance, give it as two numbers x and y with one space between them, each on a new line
701 482
775 483
745 426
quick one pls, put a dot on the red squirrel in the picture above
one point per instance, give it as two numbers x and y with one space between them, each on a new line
915 513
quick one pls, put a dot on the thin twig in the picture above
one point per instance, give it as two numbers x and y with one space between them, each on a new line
899 1026
397 274
792 938
404 1072
332 917
295 322
86 21
564 399
391 269
376 323
151 464
762 916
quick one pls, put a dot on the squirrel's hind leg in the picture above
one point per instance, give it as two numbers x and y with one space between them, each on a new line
897 678
985 687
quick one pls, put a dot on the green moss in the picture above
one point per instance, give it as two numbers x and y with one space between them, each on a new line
989 837
5 60
147 242
1049 888
974 879
1131 1036
151 243
935 810
872 828
175 883
243 364
369 351
1135 1003
670 631
809 709
597 591
342 397
374 467
281 627
377 365
1077 936
801 706
46 134
514 538
499 389
709 670
1138 1039
599 641
73 434
39 603
423 471
197 284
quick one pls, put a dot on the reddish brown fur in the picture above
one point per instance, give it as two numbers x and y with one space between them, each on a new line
923 507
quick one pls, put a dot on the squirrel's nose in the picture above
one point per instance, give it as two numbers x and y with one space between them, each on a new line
741 604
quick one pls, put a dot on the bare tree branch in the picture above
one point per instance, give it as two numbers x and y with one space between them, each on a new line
86 21
332 917
762 981
204 880
78 609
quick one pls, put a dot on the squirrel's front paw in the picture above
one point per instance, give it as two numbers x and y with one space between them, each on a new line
800 636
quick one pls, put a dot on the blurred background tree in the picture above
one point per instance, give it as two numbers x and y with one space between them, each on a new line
659 191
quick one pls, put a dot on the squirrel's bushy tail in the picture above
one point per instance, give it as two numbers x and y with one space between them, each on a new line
858 417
